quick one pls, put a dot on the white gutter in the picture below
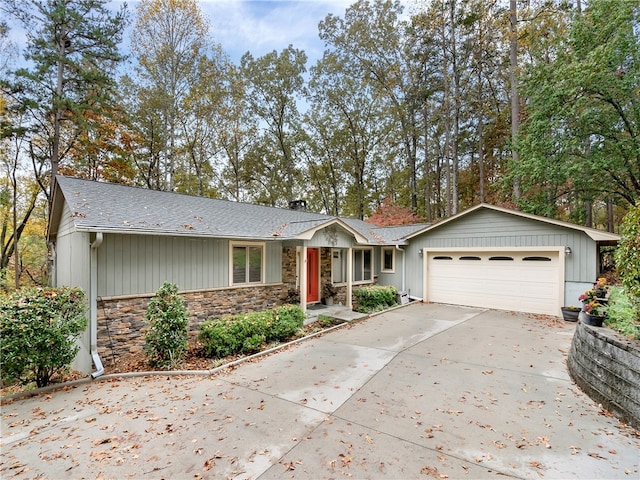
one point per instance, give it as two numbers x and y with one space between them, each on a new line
403 266
93 305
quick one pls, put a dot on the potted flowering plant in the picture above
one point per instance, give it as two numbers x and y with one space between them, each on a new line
570 313
601 289
594 313
588 296
328 293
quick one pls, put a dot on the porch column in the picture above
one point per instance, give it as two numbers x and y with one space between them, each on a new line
349 277
303 278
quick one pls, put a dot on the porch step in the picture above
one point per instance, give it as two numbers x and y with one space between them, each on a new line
334 311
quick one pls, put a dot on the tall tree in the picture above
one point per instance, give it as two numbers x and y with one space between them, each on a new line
370 38
169 41
275 83
71 54
582 135
346 135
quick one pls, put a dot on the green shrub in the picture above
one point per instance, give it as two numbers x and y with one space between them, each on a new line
168 321
246 333
219 341
39 328
627 256
621 314
288 319
375 298
253 343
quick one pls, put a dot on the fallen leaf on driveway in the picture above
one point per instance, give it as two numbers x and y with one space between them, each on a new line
596 455
102 441
432 472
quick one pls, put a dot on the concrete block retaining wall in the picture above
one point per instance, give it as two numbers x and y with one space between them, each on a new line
606 366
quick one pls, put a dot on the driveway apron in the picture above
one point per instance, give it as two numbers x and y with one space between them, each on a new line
421 391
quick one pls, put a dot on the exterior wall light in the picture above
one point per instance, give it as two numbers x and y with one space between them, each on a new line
567 250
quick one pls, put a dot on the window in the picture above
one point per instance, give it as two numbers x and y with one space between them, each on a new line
388 259
442 257
501 258
338 266
469 257
362 271
536 259
246 264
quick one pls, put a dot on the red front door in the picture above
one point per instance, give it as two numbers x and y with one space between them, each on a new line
313 275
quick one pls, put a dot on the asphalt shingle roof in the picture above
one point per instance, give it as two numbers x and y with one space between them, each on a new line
99 206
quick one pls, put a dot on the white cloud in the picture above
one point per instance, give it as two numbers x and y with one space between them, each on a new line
263 26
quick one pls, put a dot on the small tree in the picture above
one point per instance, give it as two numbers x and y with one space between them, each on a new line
168 321
627 256
39 328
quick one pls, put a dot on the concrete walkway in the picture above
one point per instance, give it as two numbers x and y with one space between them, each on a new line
424 391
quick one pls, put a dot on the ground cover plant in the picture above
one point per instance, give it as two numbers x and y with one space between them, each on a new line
39 328
621 314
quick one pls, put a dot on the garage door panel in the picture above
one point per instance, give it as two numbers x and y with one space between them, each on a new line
518 284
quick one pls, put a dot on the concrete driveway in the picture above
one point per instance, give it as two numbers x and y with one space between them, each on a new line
418 392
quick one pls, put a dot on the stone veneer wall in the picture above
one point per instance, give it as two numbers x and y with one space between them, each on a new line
121 319
606 366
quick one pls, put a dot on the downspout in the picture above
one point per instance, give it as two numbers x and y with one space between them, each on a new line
93 305
403 266
53 280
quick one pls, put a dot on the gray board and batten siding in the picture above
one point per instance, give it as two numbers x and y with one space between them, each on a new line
139 264
485 228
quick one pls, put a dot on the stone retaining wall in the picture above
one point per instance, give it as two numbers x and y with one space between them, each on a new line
121 321
606 366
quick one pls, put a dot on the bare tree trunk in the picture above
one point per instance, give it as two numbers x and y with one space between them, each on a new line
57 118
447 122
515 98
427 167
610 214
16 252
588 210
456 116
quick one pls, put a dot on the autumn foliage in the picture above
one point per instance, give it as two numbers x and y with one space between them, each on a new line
389 214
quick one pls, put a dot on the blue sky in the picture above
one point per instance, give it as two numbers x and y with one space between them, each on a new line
258 26
261 26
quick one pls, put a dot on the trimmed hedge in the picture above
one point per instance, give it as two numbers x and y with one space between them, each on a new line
375 298
246 333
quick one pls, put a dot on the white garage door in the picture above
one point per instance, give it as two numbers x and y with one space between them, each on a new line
525 281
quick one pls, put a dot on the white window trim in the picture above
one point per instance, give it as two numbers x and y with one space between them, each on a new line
373 274
393 260
262 245
342 253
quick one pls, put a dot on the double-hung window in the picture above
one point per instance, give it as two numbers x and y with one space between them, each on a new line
362 265
247 263
388 258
